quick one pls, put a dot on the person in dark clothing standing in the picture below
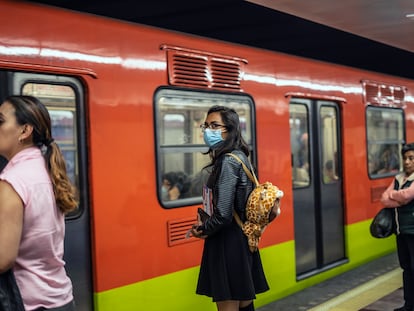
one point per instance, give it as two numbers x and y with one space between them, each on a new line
400 195
229 273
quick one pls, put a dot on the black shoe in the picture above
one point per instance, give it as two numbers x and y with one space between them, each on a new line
404 308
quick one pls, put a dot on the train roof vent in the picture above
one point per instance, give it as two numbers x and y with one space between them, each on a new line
225 74
177 230
187 70
199 69
384 95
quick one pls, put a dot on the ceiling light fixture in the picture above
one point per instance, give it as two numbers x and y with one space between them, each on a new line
410 16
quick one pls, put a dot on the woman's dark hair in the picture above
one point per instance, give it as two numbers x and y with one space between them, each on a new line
234 139
29 110
407 147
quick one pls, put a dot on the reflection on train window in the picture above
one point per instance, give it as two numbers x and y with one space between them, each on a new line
299 139
385 137
180 144
328 117
61 103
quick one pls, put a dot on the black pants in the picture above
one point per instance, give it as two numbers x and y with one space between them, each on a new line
67 307
405 247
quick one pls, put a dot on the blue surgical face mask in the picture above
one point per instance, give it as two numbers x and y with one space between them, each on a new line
212 137
164 193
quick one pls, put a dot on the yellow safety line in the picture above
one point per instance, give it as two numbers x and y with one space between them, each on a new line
365 294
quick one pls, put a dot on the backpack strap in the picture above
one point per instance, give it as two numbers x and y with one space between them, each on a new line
248 172
251 176
237 218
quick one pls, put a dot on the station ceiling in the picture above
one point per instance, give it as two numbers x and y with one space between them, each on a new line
376 35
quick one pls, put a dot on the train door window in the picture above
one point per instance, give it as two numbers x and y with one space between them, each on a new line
329 144
60 101
299 129
180 144
385 137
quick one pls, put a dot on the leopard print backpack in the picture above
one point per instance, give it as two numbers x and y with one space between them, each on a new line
263 206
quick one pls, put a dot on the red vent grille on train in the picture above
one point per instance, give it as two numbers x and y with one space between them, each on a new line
177 230
191 68
381 94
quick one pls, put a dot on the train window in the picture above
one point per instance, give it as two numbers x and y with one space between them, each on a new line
61 103
385 137
180 144
329 142
299 129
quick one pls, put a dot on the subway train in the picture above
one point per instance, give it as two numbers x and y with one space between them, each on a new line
127 101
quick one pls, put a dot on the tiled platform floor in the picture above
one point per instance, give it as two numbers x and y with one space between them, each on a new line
321 296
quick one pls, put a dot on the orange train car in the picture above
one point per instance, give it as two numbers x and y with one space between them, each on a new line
126 102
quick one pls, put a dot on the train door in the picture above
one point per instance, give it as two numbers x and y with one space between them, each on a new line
317 185
63 96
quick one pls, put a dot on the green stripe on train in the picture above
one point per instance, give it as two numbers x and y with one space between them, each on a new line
176 291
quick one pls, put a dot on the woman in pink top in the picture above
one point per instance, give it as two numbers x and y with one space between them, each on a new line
35 194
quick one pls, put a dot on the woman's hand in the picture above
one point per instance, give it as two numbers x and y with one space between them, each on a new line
197 233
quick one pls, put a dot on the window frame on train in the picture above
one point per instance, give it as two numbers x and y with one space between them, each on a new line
179 143
299 119
302 155
385 132
61 100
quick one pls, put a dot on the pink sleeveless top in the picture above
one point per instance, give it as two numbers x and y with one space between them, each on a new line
39 268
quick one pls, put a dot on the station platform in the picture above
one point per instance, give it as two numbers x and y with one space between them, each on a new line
375 286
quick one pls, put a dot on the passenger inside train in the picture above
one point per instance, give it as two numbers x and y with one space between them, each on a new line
304 151
329 174
385 160
175 185
300 161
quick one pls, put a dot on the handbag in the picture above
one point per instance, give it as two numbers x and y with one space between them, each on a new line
10 298
383 224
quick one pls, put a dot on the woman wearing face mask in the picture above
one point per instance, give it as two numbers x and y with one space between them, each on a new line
229 272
